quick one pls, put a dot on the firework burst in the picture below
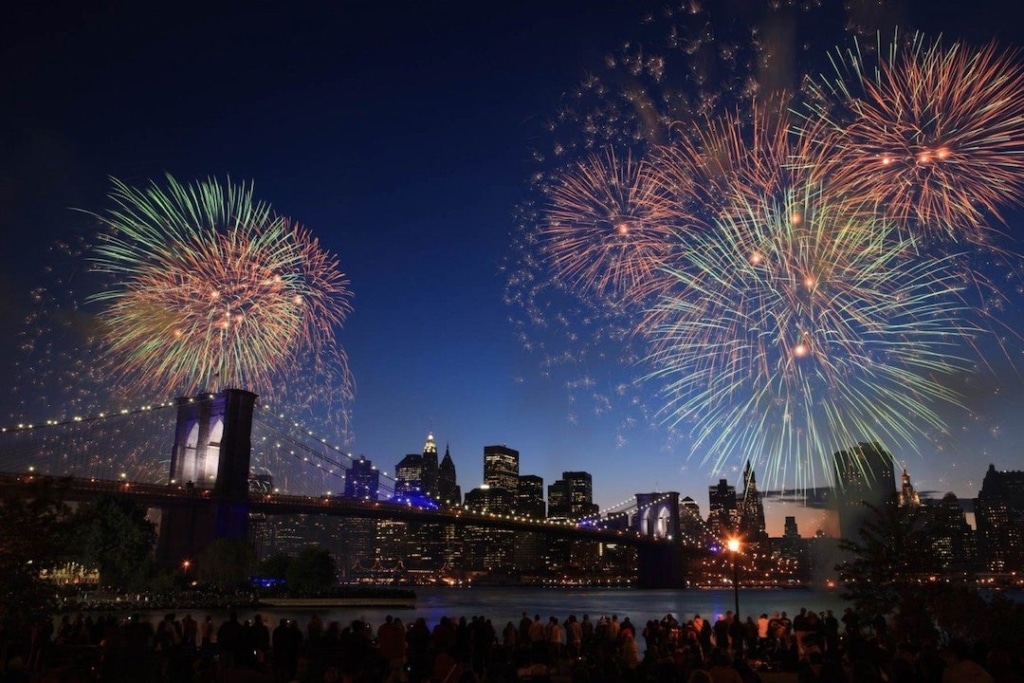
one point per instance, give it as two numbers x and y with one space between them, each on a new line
934 135
815 262
719 164
605 228
210 288
803 327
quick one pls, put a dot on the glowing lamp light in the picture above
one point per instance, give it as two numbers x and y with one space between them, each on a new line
733 544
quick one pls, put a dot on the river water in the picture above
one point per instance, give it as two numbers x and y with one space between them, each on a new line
502 605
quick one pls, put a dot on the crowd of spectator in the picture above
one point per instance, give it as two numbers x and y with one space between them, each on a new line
807 648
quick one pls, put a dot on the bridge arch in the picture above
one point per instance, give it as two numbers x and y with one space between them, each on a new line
212 448
657 514
659 565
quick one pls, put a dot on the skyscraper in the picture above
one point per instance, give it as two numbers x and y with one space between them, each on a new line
420 480
362 480
530 496
751 510
501 468
572 496
999 513
865 480
448 490
487 548
430 470
790 529
722 512
693 529
530 546
409 477
951 537
908 496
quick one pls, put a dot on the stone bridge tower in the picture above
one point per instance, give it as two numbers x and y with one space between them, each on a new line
210 457
659 565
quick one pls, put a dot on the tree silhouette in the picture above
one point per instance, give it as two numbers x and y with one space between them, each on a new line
33 540
113 535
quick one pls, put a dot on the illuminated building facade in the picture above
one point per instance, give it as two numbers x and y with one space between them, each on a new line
409 477
487 549
999 512
501 468
430 468
572 497
722 512
950 536
362 480
908 496
693 529
530 497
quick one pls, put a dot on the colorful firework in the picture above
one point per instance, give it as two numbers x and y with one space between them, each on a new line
199 287
719 164
209 288
604 230
756 176
803 327
934 136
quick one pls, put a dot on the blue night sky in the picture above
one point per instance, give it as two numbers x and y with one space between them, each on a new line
403 135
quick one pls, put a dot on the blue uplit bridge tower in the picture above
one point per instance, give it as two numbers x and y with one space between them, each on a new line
210 457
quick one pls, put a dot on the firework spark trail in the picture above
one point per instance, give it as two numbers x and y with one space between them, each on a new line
722 163
209 286
934 134
802 328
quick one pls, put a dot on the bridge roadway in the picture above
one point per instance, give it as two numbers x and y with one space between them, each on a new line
170 496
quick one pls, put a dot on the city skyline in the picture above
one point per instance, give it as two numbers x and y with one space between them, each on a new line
813 511
407 142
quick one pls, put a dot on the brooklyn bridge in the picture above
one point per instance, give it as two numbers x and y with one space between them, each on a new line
209 464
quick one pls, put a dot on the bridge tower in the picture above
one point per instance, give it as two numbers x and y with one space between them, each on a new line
212 447
659 565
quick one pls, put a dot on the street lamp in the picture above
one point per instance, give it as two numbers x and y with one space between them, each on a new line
734 547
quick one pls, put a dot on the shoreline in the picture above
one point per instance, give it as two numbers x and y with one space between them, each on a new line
337 599
303 603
